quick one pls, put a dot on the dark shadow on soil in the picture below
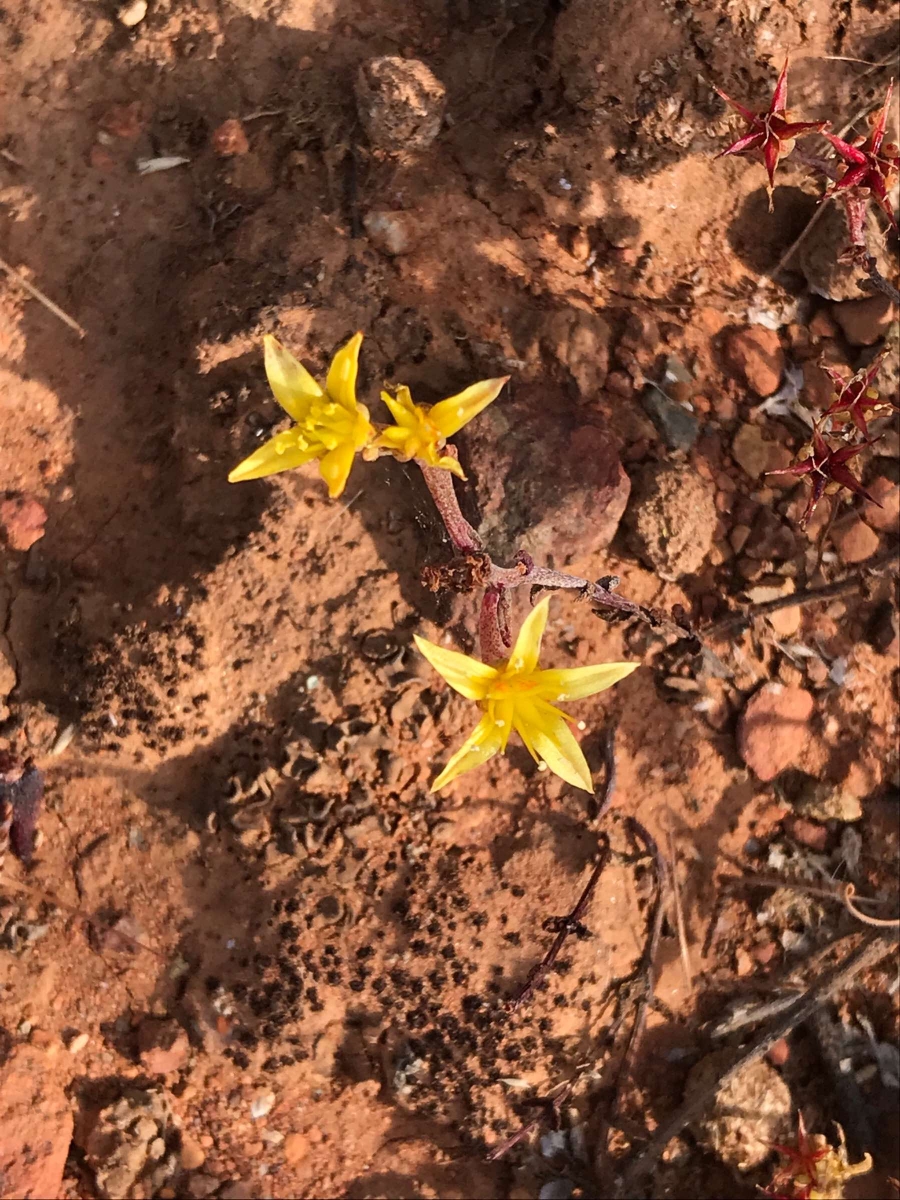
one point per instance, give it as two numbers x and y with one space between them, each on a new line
202 254
758 237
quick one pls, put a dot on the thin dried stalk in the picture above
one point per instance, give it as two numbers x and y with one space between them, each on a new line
40 296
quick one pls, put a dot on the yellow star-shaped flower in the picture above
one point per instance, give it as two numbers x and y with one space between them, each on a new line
516 694
422 432
330 424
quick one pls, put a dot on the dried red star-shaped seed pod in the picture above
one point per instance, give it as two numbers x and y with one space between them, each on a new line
872 169
770 134
856 395
825 465
802 1159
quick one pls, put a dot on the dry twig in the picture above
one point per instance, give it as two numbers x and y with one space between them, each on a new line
551 1106
877 282
876 922
36 292
735 622
604 801
679 915
642 983
563 927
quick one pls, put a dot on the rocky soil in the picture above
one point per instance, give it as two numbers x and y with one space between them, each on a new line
244 951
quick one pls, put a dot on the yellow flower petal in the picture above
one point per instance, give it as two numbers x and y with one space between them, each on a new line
501 712
341 382
363 430
277 454
291 383
574 683
483 743
525 653
452 465
449 416
546 734
396 439
402 408
335 468
465 675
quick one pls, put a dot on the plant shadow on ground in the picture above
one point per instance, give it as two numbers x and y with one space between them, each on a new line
759 237
198 257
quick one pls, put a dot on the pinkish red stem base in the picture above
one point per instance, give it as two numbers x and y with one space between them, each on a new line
494 623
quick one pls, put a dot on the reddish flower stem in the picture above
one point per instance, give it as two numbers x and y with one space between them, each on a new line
466 540
440 484
493 647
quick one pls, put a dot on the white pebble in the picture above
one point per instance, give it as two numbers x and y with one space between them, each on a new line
262 1105
132 14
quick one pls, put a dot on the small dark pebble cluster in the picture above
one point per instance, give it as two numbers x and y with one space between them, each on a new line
135 676
460 1046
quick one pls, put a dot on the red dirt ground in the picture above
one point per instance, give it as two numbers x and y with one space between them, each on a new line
239 840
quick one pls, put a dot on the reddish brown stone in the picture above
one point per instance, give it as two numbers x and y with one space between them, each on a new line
125 121
22 519
773 731
546 490
100 158
672 519
35 1129
754 356
808 833
580 341
853 539
886 519
864 321
764 952
230 139
818 386
779 1052
163 1046
822 325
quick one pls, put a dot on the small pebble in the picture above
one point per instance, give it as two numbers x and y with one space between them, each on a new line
296 1148
132 14
853 539
262 1105
77 1043
779 1053
755 357
230 140
192 1154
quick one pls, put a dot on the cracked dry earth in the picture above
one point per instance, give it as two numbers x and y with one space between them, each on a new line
252 955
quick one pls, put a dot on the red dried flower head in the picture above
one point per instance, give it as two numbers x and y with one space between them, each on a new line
802 1160
856 395
872 167
815 1170
826 465
770 134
